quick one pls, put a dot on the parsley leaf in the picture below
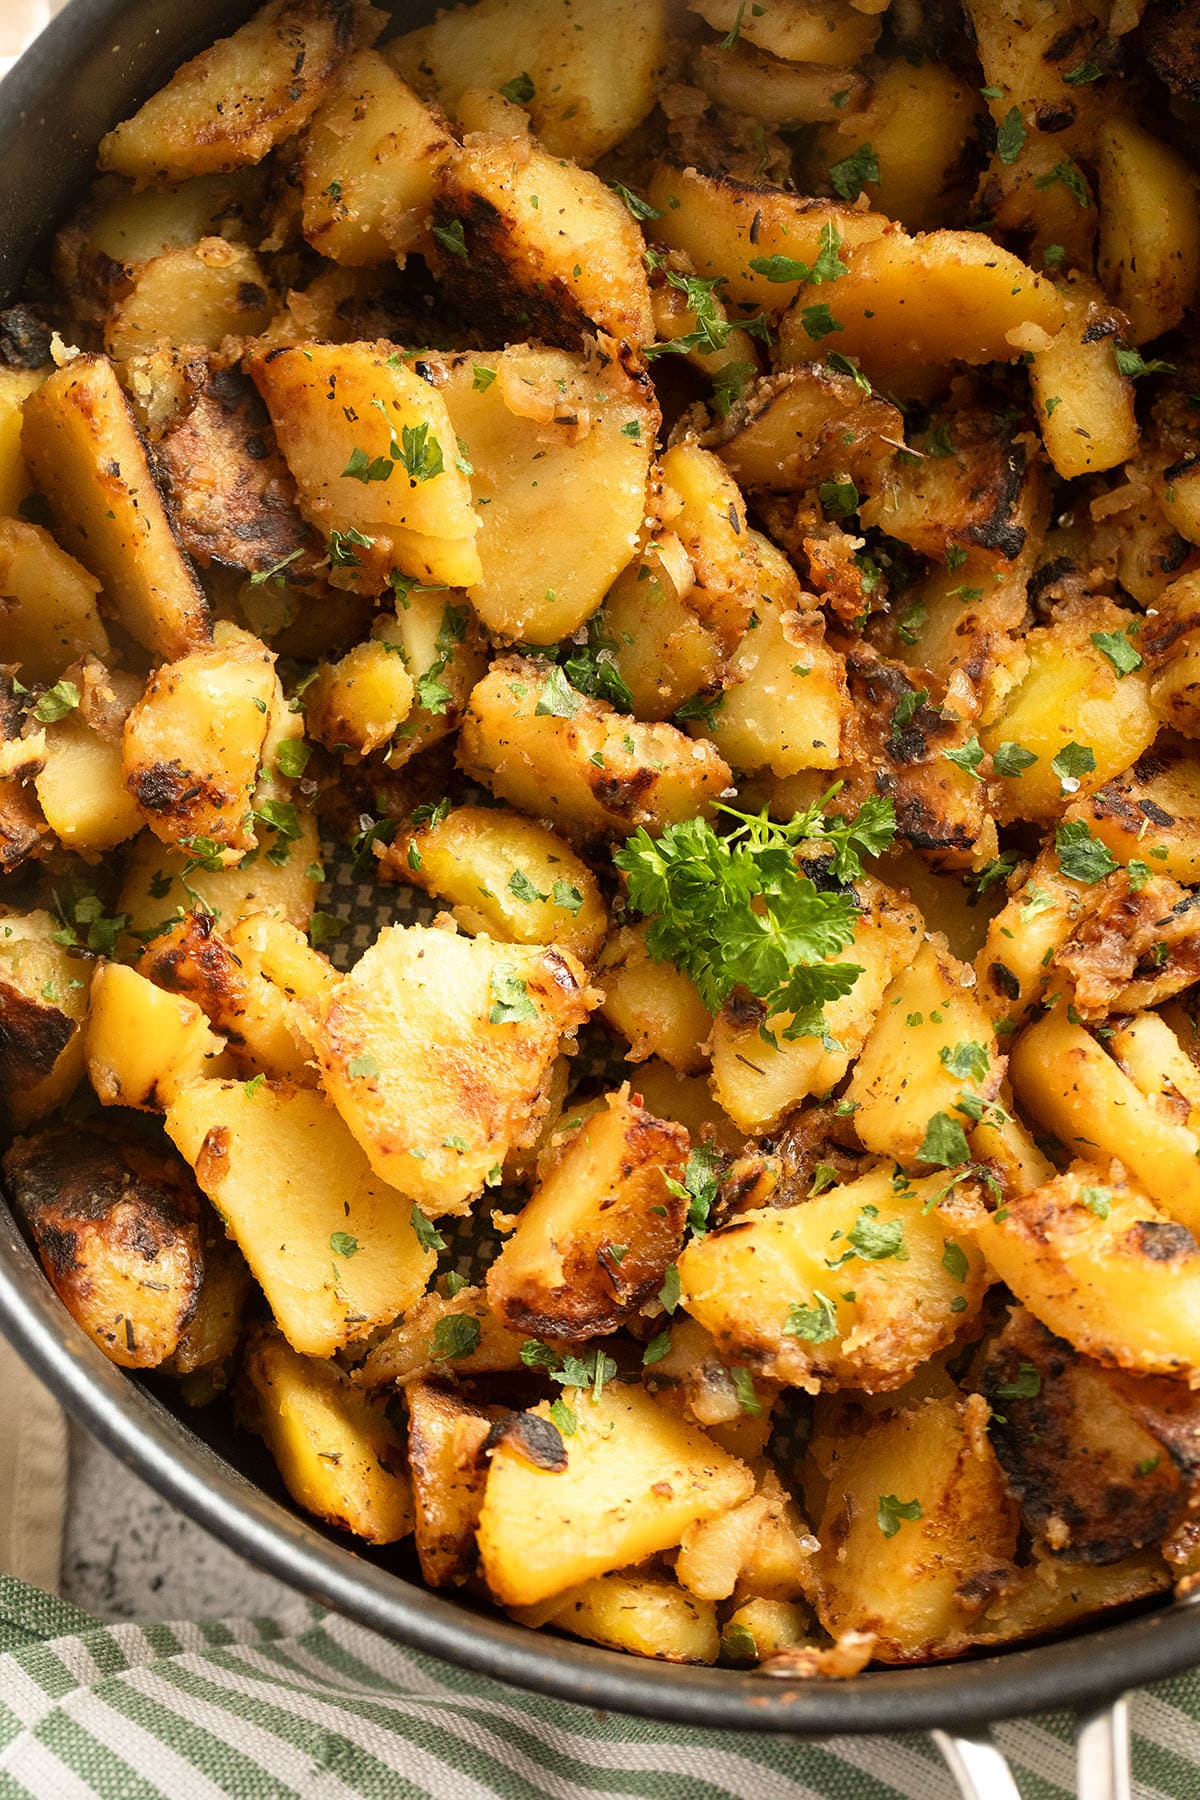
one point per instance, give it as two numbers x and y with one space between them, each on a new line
1071 764
343 1244
428 1235
1026 1386
455 1335
966 1061
558 698
1082 856
511 1004
878 1239
421 454
641 209
967 756
1134 364
891 1511
1010 136
1071 179
452 238
848 177
945 1142
815 1324
520 886
56 703
828 266
1119 651
736 911
1012 759
520 90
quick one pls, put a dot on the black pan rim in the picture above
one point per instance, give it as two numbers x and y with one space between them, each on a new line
82 52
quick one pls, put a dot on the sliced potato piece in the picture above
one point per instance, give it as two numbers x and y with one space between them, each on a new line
1063 1077
143 1044
350 1260
339 1456
446 1435
546 434
283 885
1099 1264
918 1532
504 877
645 1615
43 1004
594 1240
436 1050
592 67
931 1042
626 1483
193 743
372 450
236 100
653 1004
540 244
973 295
371 160
1085 404
121 1231
757 1081
1149 257
545 748
196 296
801 31
725 226
85 454
48 615
855 1288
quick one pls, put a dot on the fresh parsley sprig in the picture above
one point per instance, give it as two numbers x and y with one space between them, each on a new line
739 911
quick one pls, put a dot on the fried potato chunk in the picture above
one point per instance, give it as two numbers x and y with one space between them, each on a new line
436 1050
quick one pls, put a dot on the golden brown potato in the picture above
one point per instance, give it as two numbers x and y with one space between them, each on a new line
854 1288
446 1435
43 1004
555 754
436 1050
918 1557
196 297
443 1335
647 1615
660 648
802 31
218 972
588 70
1098 1263
371 159
443 648
1073 1087
48 613
122 1233
653 1004
1073 693
1100 1463
357 705
917 120
1085 404
593 1242
1149 257
235 101
504 877
541 245
84 453
193 744
547 433
973 295
81 784
626 1482
805 425
351 1258
1152 812
16 385
756 1081
283 885
372 450
931 1043
228 488
143 1044
338 1454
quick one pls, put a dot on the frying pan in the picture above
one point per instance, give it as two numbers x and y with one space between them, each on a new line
94 64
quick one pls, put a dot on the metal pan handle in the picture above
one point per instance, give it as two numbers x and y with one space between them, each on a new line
1101 1758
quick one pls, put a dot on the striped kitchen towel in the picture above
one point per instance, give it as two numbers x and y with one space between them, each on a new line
317 1709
